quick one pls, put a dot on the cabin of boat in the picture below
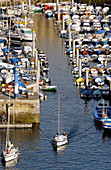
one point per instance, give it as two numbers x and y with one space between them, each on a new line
59 140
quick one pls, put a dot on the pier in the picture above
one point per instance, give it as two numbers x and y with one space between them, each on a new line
23 110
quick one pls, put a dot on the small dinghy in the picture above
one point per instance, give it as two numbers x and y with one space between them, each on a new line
48 14
48 88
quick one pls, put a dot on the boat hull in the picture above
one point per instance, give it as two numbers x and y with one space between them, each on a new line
59 143
107 124
10 156
101 112
49 88
59 140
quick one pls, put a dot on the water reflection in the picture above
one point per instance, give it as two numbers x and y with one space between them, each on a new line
60 149
98 125
106 135
10 164
86 105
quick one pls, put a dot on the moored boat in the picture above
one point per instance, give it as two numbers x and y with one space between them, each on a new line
106 124
101 112
48 88
48 14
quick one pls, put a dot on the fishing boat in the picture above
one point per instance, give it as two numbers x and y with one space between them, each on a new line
10 152
101 112
106 124
48 88
59 139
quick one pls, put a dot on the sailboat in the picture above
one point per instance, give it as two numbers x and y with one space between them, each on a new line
59 139
10 152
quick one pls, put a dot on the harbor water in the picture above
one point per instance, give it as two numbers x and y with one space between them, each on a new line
88 147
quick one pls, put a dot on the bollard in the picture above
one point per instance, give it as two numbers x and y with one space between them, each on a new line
29 4
69 26
73 47
38 68
58 12
79 68
69 39
25 21
22 8
77 57
33 43
36 59
8 48
63 23
16 74
37 80
57 2
72 3
86 78
105 63
1 3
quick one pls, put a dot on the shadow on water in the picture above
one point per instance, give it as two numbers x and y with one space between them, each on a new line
98 125
106 135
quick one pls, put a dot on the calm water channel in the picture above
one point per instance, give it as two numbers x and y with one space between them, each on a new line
88 148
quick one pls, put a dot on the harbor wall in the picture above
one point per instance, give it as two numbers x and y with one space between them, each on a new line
21 111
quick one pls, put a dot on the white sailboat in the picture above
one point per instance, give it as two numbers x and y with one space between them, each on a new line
59 139
10 152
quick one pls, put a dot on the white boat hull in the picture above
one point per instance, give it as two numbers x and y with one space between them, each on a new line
61 143
10 156
59 140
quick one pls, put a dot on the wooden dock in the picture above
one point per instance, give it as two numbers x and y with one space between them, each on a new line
16 126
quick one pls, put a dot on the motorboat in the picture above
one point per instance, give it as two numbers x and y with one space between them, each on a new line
97 94
101 112
48 88
99 81
106 124
85 93
48 14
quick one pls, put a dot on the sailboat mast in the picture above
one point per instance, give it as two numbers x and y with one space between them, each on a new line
58 113
8 119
